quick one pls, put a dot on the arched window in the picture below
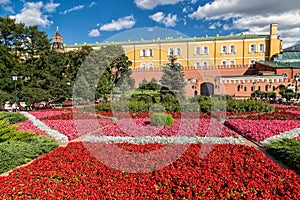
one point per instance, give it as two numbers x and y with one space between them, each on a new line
197 64
205 64
238 88
178 51
205 50
267 88
232 49
143 53
252 62
224 49
197 51
150 52
252 48
232 62
143 66
150 65
245 88
224 62
261 47
170 51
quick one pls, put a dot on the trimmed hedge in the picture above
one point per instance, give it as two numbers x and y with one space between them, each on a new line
287 151
161 119
15 153
12 117
19 147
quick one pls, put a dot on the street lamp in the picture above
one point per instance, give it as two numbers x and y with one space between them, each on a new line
15 78
68 84
96 91
296 79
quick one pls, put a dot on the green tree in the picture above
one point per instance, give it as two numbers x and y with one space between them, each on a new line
173 77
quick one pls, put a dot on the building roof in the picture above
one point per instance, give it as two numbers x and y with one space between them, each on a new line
172 40
295 48
277 64
57 32
289 57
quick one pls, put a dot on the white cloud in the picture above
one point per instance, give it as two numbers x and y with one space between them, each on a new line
92 4
75 8
6 5
31 15
150 4
94 33
255 16
4 2
51 7
121 23
168 20
215 25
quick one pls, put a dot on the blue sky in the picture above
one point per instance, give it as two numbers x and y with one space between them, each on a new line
100 20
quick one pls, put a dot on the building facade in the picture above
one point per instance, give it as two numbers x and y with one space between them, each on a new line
199 51
235 65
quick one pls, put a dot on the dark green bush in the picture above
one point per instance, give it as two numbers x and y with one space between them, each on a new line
161 119
248 106
287 151
15 153
12 117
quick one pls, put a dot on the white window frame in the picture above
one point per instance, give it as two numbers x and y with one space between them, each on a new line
150 52
143 66
224 63
143 53
169 51
252 48
232 48
252 61
178 51
205 50
150 65
205 64
197 64
261 47
224 49
232 62
197 51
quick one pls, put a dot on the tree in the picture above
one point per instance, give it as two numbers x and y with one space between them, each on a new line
173 77
152 85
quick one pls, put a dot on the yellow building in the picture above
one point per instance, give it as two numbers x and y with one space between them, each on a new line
200 51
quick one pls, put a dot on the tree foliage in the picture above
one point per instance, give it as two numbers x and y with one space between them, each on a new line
43 73
173 77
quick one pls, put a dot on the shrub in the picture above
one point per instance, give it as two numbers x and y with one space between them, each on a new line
287 151
15 153
12 117
161 119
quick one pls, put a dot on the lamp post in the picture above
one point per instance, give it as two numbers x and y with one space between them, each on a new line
96 96
296 79
15 78
68 84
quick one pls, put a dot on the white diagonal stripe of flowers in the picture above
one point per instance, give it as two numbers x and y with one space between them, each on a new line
164 140
288 134
52 133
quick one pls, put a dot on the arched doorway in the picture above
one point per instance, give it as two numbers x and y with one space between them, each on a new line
207 89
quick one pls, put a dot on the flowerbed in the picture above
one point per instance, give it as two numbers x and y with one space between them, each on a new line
76 128
185 127
259 130
29 126
228 171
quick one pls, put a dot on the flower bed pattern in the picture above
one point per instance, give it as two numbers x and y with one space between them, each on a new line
228 171
185 127
259 130
29 126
